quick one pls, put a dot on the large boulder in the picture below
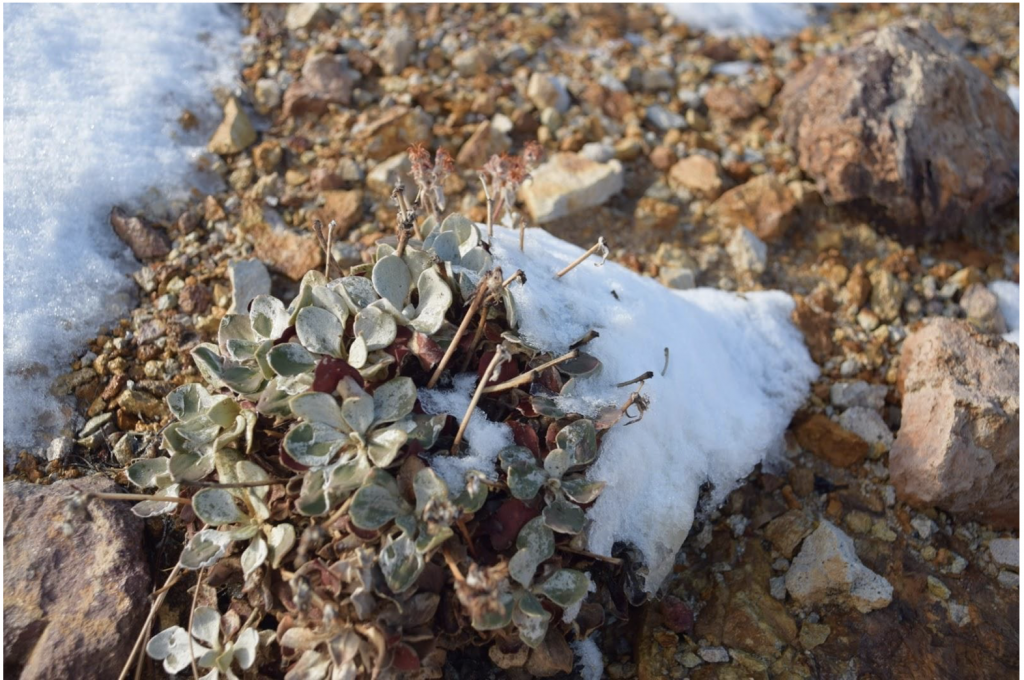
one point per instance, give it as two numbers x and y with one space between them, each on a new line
73 601
902 126
959 441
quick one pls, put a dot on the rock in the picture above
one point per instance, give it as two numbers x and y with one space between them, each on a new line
485 141
697 174
982 309
235 133
829 441
597 152
655 79
286 251
323 179
858 393
266 94
395 132
1008 579
141 403
678 278
665 120
901 123
868 425
654 215
887 293
714 654
473 62
568 183
787 531
324 81
732 103
73 604
959 441
827 571
1005 552
662 158
547 91
383 176
145 242
345 208
60 448
249 278
305 15
815 322
194 299
748 252
266 156
813 635
395 49
764 205
937 588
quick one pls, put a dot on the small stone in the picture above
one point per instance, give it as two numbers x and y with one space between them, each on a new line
690 660
829 441
474 61
665 120
882 532
868 320
1005 552
655 79
787 531
547 91
677 278
748 252
141 403
813 635
858 522
1008 579
567 184
662 157
887 293
597 152
395 49
764 205
959 614
324 81
938 588
383 176
923 526
868 425
166 301
194 299
732 103
343 207
266 94
714 654
286 251
60 448
235 133
845 395
304 15
929 553
485 141
249 278
266 156
777 588
654 215
145 242
697 174
828 571
982 309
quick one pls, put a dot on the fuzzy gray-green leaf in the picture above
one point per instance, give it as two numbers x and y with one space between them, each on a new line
565 587
216 507
374 506
319 331
535 544
394 400
290 359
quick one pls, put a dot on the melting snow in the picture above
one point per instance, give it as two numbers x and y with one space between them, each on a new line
737 371
771 20
1008 294
92 94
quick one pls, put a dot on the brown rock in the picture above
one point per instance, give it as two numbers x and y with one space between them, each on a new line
662 157
484 143
344 207
697 174
194 299
830 442
858 287
654 215
731 102
73 604
902 124
235 132
325 80
286 251
982 309
146 242
815 322
788 530
764 205
266 156
959 442
395 132
323 179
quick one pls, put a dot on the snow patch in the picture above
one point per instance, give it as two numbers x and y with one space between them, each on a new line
737 370
1013 92
589 659
771 20
1008 294
92 94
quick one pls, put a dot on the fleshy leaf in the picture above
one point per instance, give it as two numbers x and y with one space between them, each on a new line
474 495
313 444
245 647
435 297
357 290
563 516
495 620
290 359
280 541
318 407
515 454
349 475
535 544
206 626
171 646
565 588
376 327
400 563
216 507
581 490
146 472
531 619
392 279
374 506
268 317
579 438
383 445
428 486
254 556
357 353
525 480
326 297
320 331
557 462
394 400
188 401
205 548
155 507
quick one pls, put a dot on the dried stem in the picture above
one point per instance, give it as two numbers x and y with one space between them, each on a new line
663 370
490 218
136 497
452 565
191 617
144 633
639 379
478 298
327 265
500 355
531 374
236 485
520 275
522 232
572 265
594 556
318 229
498 207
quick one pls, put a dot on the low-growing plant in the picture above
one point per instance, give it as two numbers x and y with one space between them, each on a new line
313 457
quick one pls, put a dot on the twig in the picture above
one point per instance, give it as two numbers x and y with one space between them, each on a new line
501 354
593 249
490 220
591 334
327 257
318 229
478 298
522 233
452 564
639 379
666 363
520 274
191 617
136 497
524 378
340 512
167 586
594 556
143 634
236 485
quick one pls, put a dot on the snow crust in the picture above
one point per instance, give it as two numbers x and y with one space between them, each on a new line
1008 294
589 659
771 20
92 94
737 371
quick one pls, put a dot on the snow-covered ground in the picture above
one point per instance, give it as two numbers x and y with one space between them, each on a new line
92 94
1008 294
771 20
737 370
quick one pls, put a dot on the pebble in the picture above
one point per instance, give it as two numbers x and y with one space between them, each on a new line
548 91
569 183
857 393
748 252
813 634
1009 579
714 654
1005 552
665 120
938 588
60 448
867 424
923 526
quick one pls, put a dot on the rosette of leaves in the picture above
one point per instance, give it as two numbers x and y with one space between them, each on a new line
563 492
457 244
424 526
176 647
237 514
342 443
518 603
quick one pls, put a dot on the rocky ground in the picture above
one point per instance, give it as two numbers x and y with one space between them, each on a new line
883 543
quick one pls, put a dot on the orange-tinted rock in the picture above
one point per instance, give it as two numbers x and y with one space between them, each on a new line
830 442
697 174
764 205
